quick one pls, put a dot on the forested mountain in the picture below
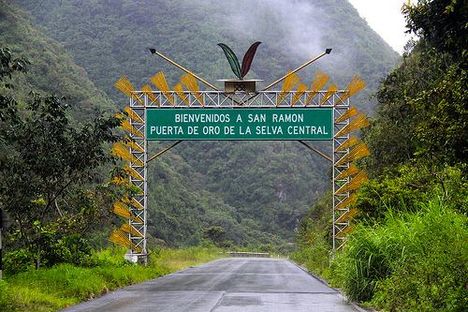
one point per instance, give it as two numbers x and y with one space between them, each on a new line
406 249
111 38
52 69
255 191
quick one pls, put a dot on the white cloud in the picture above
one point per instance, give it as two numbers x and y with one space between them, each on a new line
385 17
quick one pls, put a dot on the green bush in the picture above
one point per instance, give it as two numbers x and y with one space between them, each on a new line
314 256
57 249
17 261
68 249
411 185
314 238
51 289
411 262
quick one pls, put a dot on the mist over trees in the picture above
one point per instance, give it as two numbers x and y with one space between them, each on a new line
233 185
408 251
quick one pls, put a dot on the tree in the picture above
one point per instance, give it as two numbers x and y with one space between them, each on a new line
216 234
419 135
441 23
50 168
422 111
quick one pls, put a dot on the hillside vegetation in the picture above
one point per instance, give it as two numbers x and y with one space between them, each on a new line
54 191
408 251
52 70
111 38
65 284
256 192
58 64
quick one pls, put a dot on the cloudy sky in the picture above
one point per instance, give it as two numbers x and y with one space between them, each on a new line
385 17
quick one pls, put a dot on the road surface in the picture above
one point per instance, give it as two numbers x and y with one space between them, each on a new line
226 285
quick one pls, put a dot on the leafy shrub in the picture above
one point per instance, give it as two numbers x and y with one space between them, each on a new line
315 255
17 261
314 238
411 186
402 192
69 249
412 262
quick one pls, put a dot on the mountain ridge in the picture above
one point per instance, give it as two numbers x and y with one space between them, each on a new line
256 191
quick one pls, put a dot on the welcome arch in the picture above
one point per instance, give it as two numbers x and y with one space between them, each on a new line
240 113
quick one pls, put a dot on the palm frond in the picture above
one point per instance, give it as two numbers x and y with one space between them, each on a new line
129 128
358 152
124 85
318 83
289 83
352 170
127 228
159 80
347 216
351 200
133 115
352 111
348 143
123 152
301 89
179 90
133 173
360 121
149 92
354 184
355 85
190 82
332 89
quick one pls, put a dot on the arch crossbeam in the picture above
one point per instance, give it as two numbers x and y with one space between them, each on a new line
140 102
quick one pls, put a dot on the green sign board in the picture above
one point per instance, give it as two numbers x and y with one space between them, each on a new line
223 124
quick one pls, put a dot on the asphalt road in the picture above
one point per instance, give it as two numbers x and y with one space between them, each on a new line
226 285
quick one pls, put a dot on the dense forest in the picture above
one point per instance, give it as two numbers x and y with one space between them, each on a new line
257 192
59 61
408 251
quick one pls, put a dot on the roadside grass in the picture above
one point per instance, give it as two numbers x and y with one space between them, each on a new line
60 286
411 261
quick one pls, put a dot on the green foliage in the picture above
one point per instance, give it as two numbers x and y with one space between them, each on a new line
56 248
442 23
409 252
48 162
411 185
9 65
51 69
423 104
255 191
48 165
314 238
102 38
410 262
4 290
16 261
47 149
62 285
315 255
215 234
